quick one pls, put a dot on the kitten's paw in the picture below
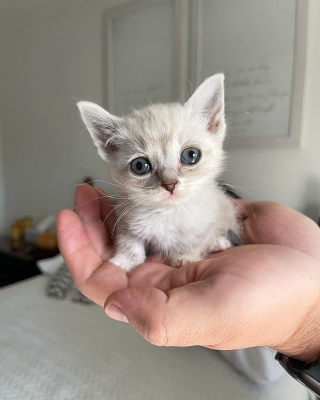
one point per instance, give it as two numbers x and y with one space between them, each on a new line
123 263
222 243
184 260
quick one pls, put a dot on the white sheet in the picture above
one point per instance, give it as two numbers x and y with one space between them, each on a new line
55 349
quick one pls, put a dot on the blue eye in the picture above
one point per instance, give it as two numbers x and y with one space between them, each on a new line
190 155
140 166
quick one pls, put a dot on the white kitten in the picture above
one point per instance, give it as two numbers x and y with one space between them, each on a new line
167 158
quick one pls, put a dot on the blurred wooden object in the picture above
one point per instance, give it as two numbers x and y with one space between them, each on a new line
47 240
16 235
17 231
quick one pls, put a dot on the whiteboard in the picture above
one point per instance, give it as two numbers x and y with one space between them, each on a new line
138 42
254 42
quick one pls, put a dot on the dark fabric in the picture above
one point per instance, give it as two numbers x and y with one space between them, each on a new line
235 239
228 190
61 283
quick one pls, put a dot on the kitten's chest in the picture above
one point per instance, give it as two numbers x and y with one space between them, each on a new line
166 228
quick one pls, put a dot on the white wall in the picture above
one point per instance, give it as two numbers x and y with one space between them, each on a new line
289 176
56 61
2 185
48 66
2 188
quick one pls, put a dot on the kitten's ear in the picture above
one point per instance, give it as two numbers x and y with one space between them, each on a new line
208 100
102 126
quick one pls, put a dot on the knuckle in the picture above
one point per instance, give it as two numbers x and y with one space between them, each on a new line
154 331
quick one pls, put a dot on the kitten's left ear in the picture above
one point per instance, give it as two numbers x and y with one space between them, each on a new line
103 127
208 101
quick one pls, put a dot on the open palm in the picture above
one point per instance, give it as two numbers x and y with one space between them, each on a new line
233 299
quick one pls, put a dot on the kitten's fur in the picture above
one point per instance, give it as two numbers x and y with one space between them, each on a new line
193 221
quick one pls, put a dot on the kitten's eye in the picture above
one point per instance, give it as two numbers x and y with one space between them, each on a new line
140 166
190 155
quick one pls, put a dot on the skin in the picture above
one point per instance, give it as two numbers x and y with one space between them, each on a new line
266 293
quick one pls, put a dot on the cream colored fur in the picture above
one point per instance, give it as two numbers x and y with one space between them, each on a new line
192 221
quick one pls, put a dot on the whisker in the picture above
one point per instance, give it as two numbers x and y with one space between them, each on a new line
108 196
87 202
152 202
242 188
113 184
254 216
130 188
81 132
121 184
238 214
99 180
236 127
114 209
120 196
123 213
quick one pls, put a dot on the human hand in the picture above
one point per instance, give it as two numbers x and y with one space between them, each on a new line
247 296
86 243
266 222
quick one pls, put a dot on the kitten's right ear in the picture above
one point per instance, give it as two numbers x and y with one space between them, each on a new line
208 101
102 126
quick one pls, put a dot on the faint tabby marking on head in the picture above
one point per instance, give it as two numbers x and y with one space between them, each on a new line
165 160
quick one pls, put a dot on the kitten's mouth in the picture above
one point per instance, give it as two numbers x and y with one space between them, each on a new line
172 197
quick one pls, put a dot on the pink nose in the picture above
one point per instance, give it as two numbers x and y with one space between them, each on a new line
169 185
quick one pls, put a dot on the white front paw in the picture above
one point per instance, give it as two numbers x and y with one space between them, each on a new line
222 243
123 262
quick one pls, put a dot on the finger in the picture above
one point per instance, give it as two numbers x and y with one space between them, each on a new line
242 208
107 211
150 273
281 225
87 206
78 253
154 273
247 209
95 279
250 215
185 306
184 316
228 309
165 278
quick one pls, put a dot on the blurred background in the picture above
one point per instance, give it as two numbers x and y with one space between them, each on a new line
123 54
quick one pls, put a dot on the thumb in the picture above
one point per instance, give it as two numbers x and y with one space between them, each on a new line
183 316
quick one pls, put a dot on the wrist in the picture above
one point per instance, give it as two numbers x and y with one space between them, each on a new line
304 344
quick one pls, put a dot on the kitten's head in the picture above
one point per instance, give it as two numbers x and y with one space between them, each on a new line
165 153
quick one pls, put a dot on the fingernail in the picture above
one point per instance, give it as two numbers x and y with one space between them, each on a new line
115 312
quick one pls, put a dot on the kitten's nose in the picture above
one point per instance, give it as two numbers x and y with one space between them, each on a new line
169 185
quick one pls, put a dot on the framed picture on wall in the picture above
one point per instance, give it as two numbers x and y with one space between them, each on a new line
142 58
154 50
261 48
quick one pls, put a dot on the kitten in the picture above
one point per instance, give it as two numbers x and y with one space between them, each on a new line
167 158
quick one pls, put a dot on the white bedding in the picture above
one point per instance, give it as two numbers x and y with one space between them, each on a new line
55 349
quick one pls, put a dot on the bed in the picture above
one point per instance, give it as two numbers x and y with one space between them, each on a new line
56 349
